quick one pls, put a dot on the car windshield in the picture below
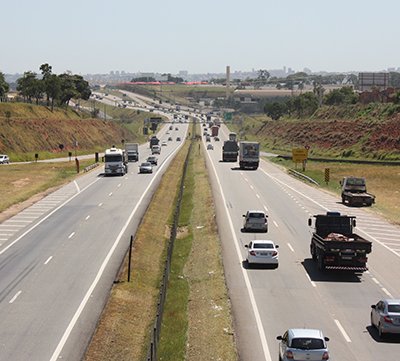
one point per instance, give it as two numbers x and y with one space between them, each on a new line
146 164
307 343
263 245
394 308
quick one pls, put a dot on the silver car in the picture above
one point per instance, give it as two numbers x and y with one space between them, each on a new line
385 316
303 344
255 221
146 167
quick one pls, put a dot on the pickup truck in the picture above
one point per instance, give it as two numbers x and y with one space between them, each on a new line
334 245
354 192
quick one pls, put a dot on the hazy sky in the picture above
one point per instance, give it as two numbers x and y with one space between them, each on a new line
201 36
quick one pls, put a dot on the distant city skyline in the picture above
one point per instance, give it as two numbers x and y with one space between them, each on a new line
96 37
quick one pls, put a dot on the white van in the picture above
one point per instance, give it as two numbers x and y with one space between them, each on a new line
155 149
255 221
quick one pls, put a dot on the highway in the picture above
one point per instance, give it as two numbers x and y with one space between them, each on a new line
266 302
59 258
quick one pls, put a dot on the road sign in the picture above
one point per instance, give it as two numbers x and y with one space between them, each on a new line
327 175
299 155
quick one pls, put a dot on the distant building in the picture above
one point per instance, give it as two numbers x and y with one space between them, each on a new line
368 81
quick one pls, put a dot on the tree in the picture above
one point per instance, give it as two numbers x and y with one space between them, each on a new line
275 110
53 88
344 95
262 78
30 87
46 75
303 105
4 87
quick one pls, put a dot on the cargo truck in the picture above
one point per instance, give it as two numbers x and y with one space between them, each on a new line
115 161
230 151
214 130
249 155
154 141
334 245
132 151
354 192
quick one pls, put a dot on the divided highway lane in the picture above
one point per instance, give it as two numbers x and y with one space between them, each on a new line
57 271
266 302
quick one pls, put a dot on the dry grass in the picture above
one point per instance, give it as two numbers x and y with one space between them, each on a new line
123 332
210 333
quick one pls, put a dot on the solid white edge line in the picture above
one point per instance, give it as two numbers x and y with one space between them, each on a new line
77 186
86 298
309 278
45 218
257 316
15 297
341 329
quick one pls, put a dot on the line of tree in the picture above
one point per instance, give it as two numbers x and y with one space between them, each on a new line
4 87
58 90
306 104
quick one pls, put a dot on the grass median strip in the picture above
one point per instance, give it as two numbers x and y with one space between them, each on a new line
197 322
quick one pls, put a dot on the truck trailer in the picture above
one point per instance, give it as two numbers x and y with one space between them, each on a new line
249 155
132 151
334 245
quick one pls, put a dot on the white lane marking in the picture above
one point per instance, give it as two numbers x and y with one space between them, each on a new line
87 217
77 186
96 280
110 194
266 209
119 185
276 224
45 218
258 196
246 179
341 329
263 339
387 292
5 234
48 260
71 235
290 247
312 282
251 187
18 221
100 204
15 297
375 280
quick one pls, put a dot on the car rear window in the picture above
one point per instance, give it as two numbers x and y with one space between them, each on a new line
307 343
394 308
262 245
256 215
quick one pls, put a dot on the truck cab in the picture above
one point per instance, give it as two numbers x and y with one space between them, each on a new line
354 192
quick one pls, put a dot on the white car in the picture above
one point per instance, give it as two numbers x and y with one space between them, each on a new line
262 252
4 159
303 344
256 221
385 316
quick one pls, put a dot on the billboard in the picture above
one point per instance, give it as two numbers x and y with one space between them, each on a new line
367 81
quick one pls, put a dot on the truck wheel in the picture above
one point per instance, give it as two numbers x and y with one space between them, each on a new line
321 265
343 200
313 254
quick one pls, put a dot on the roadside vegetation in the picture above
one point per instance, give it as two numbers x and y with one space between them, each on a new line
382 181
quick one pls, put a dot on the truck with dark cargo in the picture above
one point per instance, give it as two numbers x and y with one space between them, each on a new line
354 192
154 141
249 155
334 245
214 130
132 151
230 149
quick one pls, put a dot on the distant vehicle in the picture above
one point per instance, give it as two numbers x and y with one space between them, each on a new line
216 139
178 139
155 149
210 147
154 141
132 151
176 128
214 130
4 159
385 316
208 139
146 167
354 192
303 344
230 149
249 155
115 161
335 246
164 144
255 221
169 139
171 127
152 159
262 252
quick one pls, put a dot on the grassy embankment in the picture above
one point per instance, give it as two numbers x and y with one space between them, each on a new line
197 323
20 182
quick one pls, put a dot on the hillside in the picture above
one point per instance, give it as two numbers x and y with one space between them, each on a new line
30 129
332 132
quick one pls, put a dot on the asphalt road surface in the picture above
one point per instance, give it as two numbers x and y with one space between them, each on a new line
59 258
266 302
